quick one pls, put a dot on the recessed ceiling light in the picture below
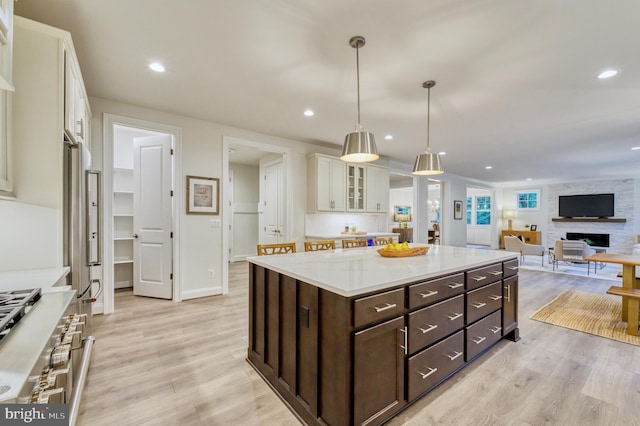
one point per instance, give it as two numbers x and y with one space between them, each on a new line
635 148
529 179
156 67
489 167
308 113
442 153
388 137
608 74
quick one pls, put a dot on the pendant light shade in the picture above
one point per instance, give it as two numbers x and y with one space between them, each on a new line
359 146
428 163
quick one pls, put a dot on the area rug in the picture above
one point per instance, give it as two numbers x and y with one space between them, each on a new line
597 314
603 272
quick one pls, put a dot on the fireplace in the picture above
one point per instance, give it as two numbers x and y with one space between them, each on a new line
597 240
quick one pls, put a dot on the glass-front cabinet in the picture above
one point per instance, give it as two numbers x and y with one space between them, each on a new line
355 187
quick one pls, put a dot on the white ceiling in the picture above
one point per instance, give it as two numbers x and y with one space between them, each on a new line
516 86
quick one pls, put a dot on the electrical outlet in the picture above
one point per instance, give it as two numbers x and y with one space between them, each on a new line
212 273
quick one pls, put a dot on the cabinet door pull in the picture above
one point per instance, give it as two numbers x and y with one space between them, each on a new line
385 307
478 305
404 331
428 329
495 297
513 268
81 132
508 287
495 272
455 355
455 285
478 278
431 371
454 316
495 329
429 294
478 340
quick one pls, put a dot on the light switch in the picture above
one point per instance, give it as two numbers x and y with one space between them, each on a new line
214 223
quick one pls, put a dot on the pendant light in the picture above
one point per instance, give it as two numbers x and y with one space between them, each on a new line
359 146
428 163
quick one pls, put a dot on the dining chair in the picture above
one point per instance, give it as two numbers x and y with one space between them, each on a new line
319 245
282 248
382 241
354 243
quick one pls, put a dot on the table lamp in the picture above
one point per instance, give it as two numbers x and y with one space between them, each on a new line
509 215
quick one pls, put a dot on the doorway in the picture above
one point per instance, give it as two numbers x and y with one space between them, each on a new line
141 230
479 209
256 191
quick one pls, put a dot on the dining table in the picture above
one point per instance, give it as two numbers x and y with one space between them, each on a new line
629 263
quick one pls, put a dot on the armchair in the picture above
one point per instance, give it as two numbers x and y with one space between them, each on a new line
512 243
572 251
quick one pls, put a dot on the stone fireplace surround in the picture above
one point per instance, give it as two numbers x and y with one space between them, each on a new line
621 235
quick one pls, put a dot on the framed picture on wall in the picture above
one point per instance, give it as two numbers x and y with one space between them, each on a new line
457 209
203 195
534 227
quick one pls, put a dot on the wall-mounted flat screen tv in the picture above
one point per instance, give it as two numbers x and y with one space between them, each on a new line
588 205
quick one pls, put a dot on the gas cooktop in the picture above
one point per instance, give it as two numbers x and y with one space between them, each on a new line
14 305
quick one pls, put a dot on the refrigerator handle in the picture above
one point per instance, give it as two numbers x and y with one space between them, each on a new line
93 194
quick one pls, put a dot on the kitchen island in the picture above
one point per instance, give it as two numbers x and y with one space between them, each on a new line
349 337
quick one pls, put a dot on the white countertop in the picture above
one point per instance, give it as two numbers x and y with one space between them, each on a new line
44 278
352 272
338 235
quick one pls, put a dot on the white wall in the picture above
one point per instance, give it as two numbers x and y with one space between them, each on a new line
202 141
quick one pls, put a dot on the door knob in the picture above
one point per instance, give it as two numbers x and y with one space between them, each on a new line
135 235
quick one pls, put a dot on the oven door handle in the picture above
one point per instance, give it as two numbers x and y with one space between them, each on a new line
82 377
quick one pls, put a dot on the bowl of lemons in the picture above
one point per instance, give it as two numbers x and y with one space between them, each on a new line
402 250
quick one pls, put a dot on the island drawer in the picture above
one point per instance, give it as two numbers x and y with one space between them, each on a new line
428 292
432 365
483 276
430 324
510 268
483 334
378 307
483 301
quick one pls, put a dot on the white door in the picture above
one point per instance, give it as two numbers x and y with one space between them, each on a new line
152 248
273 212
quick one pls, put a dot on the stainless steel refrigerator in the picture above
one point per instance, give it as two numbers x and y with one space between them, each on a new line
82 225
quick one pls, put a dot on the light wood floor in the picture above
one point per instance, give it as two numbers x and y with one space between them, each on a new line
163 363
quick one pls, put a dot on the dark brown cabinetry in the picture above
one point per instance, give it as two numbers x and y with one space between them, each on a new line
406 234
360 360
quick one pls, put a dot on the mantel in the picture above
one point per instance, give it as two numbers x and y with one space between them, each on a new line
589 219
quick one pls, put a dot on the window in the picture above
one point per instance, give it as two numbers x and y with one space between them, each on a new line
483 210
479 210
528 200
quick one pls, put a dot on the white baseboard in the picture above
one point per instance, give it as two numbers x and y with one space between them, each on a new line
203 292
122 284
97 308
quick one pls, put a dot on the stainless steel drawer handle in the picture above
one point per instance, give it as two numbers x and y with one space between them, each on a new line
385 307
455 355
454 316
478 340
508 287
478 278
455 285
513 268
429 294
478 305
495 272
425 375
495 329
404 339
495 297
428 329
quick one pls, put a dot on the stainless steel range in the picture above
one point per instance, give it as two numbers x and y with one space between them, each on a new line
44 352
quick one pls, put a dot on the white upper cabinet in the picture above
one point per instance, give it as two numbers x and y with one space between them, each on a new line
76 117
325 184
6 44
377 184
356 173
